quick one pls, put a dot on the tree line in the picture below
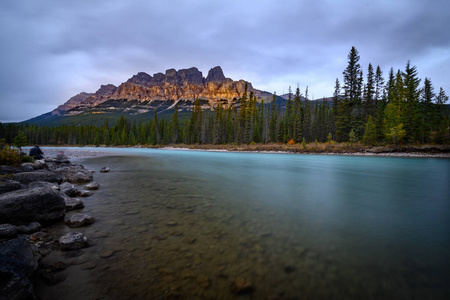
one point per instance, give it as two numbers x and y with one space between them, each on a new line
371 110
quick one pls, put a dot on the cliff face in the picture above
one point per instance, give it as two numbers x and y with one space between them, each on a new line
173 86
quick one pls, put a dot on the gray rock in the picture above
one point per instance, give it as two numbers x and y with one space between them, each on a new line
47 176
73 203
73 241
39 204
10 185
27 167
68 189
79 220
105 170
39 164
30 228
8 231
92 186
75 173
9 170
84 193
51 185
17 264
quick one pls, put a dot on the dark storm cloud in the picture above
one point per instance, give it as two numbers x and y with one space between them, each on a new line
52 50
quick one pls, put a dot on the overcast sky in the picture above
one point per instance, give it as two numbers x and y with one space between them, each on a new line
52 50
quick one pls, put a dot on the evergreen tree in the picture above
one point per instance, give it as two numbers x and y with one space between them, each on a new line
370 134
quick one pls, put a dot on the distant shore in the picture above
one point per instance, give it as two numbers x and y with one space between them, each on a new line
425 151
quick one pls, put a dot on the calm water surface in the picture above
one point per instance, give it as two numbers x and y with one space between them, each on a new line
186 224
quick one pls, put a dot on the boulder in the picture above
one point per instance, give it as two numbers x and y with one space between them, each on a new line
17 264
73 203
92 186
73 241
40 204
8 231
39 164
10 185
47 176
27 167
75 173
50 185
4 169
79 220
68 189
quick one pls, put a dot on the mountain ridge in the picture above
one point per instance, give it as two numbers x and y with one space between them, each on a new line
173 86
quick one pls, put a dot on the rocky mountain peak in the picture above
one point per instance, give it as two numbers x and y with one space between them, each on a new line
106 90
215 74
141 78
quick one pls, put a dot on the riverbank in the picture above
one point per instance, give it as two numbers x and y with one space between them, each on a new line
427 151
437 151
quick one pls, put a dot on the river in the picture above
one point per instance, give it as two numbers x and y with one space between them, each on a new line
188 224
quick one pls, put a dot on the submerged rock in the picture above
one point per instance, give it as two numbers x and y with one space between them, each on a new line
92 186
105 170
79 220
39 204
85 193
73 241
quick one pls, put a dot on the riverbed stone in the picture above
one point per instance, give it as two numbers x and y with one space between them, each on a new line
73 203
92 186
105 170
30 228
69 189
79 220
39 204
241 286
17 264
73 241
85 193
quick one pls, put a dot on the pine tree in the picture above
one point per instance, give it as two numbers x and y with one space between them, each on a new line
370 134
412 94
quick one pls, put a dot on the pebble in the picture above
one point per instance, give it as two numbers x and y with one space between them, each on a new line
241 286
106 254
172 224
88 266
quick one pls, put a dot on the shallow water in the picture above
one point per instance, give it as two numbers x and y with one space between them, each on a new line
188 223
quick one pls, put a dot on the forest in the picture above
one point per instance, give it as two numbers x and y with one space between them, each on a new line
370 109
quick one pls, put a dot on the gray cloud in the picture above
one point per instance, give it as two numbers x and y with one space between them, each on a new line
52 50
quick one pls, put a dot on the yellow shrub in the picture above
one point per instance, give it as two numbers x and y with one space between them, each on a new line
9 156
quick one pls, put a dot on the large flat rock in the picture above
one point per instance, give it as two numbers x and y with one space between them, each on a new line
39 204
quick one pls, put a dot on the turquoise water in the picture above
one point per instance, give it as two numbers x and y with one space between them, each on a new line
186 224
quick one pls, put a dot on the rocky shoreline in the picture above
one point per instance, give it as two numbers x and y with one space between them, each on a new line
34 197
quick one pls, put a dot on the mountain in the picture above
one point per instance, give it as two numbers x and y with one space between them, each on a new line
140 95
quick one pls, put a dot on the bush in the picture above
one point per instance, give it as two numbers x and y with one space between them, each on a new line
9 156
